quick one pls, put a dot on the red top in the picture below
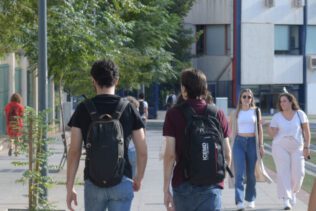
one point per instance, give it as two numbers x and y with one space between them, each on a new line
174 126
14 131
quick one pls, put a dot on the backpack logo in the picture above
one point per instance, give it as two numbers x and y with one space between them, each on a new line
105 146
203 155
205 151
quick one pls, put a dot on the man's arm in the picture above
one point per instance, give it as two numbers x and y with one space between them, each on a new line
139 140
73 160
168 165
227 151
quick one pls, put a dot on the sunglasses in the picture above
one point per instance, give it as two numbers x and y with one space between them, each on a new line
246 96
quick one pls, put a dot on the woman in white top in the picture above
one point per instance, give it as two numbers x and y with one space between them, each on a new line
247 145
289 147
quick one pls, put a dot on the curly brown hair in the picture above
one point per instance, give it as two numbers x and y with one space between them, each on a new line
292 100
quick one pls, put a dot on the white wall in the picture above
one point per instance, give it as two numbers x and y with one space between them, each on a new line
210 12
311 18
257 53
212 66
288 70
311 102
255 11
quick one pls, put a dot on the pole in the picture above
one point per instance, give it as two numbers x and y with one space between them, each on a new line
43 83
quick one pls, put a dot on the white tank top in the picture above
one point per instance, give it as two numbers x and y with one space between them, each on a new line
246 121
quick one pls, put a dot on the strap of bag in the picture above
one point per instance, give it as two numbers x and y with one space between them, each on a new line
257 114
120 108
211 110
91 109
301 125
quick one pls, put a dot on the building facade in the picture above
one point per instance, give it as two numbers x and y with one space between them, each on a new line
265 45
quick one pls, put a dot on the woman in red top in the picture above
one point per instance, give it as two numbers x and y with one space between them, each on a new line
14 112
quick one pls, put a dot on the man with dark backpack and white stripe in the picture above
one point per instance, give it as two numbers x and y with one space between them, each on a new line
197 145
104 124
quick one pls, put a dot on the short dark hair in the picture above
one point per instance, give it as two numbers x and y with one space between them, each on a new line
105 73
16 98
194 81
292 100
141 96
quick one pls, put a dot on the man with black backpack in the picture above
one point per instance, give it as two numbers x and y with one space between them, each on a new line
104 123
197 150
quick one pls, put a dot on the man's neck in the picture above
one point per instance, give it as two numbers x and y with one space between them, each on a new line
106 90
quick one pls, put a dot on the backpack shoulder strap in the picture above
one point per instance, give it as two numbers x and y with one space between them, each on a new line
120 108
91 109
211 110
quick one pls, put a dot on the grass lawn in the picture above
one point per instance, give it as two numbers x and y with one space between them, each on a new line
308 180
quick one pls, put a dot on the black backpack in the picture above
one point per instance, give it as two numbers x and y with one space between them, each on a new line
203 155
105 146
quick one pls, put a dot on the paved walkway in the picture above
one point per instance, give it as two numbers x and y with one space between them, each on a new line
150 198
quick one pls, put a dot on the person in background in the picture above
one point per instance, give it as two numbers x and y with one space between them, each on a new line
171 100
14 111
248 148
143 107
290 131
131 147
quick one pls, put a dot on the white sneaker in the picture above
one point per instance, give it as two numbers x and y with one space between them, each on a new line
287 205
240 206
293 199
251 204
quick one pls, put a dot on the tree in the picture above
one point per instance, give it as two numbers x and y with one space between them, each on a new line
142 36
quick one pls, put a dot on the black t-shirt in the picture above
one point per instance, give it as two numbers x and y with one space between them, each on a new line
106 104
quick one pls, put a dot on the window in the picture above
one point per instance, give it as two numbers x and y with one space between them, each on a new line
287 40
200 44
310 40
213 40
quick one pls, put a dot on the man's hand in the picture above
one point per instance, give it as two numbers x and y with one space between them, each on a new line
136 184
168 201
71 196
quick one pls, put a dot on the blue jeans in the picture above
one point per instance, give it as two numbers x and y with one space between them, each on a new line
245 158
197 198
116 198
132 159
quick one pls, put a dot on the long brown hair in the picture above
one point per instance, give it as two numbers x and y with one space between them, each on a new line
292 100
252 103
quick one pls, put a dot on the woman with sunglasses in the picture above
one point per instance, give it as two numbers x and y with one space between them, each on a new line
291 141
247 142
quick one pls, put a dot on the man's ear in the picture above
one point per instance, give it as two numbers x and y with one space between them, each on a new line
116 82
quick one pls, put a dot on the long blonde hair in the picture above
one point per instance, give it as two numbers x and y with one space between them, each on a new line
252 103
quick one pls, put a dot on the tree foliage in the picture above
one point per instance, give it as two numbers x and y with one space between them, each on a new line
144 37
